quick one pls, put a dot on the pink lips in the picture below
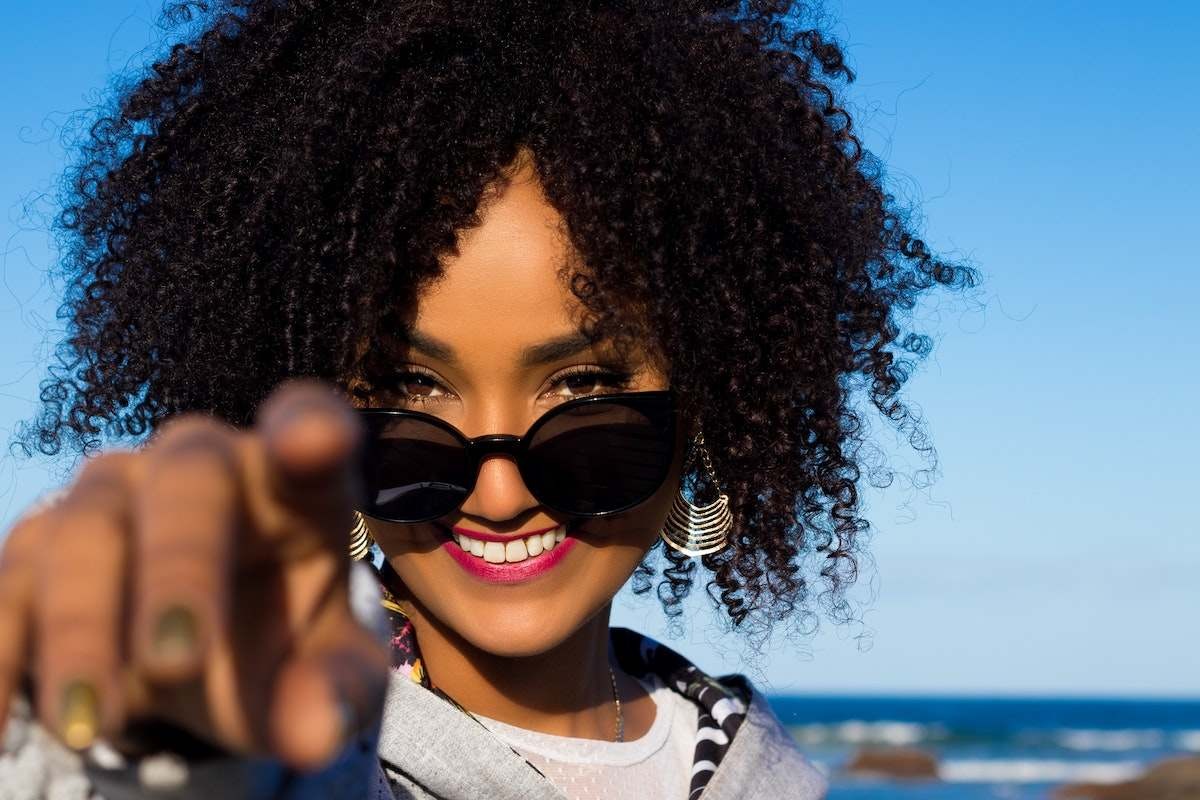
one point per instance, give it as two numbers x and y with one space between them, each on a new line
515 572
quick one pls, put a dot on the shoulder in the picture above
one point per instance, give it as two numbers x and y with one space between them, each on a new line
742 748
764 760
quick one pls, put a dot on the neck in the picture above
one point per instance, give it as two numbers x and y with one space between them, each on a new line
566 691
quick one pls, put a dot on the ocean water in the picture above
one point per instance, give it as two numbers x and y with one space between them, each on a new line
1009 748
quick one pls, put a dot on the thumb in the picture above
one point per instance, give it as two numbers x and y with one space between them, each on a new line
325 698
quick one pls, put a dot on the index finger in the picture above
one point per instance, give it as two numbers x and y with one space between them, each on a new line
307 465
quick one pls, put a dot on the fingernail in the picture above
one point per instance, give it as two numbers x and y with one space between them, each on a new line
79 719
175 634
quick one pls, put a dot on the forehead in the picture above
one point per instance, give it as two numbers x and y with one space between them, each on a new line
504 288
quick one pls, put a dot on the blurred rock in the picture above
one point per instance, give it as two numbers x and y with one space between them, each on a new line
1173 779
893 762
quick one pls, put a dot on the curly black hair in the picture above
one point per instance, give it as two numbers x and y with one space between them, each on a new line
275 190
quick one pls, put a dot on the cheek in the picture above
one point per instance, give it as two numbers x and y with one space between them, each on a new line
395 539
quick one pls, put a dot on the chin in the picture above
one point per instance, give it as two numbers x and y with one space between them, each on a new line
524 620
508 634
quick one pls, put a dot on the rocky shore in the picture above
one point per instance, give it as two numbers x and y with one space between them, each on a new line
905 763
1170 779
1173 779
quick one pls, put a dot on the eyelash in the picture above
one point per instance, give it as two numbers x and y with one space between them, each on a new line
616 378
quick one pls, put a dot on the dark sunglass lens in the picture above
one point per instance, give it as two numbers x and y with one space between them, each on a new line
413 470
600 457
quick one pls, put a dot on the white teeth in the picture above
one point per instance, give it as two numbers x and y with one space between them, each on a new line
493 553
515 550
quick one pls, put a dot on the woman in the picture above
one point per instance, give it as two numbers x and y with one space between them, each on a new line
578 290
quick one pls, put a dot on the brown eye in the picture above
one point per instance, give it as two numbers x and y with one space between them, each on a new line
583 383
411 386
590 380
417 384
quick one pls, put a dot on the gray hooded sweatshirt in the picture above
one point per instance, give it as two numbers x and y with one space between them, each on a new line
424 748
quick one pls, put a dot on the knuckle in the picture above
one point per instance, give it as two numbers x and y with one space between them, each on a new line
170 560
198 483
82 553
191 433
85 532
192 473
21 544
69 623
69 618
83 576
102 483
106 467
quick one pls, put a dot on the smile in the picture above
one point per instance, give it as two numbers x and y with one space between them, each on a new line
513 550
506 560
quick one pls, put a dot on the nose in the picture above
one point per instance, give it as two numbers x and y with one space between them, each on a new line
500 494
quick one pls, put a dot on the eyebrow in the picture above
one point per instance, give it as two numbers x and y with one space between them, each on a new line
534 355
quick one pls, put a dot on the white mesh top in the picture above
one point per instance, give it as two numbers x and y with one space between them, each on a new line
657 766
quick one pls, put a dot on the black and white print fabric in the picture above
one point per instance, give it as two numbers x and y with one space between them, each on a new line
722 703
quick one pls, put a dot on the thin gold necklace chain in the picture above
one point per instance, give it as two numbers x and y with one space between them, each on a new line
617 699
620 737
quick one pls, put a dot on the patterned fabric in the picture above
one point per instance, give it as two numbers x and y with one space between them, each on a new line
722 703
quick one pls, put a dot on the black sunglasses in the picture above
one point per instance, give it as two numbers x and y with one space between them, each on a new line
587 457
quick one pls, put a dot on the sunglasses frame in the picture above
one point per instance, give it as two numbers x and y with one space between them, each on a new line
661 404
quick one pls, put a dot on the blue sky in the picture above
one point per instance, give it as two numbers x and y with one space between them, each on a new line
1056 146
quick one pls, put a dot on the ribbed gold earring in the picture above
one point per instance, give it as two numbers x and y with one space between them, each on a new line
360 538
698 530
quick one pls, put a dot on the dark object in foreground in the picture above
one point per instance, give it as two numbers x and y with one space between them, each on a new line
893 762
1172 779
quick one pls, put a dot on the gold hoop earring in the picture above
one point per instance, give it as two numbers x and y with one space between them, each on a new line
699 530
360 538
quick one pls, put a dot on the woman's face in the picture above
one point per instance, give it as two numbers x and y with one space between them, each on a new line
467 361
